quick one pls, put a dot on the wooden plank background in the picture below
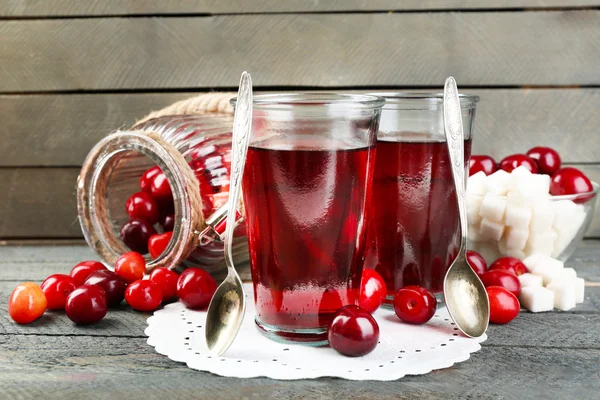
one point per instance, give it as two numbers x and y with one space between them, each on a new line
73 71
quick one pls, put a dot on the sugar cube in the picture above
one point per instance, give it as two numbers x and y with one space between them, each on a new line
517 217
533 260
490 229
566 274
489 251
473 233
498 183
516 253
530 279
569 230
540 242
473 206
542 216
563 214
514 238
547 267
579 290
537 299
541 184
476 183
492 208
564 294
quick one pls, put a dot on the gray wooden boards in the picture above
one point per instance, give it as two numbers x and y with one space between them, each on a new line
59 130
20 8
549 355
40 202
326 50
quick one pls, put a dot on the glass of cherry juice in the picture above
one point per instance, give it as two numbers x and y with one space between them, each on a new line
306 189
414 231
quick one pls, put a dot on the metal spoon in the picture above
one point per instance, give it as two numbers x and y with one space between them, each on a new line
228 305
465 295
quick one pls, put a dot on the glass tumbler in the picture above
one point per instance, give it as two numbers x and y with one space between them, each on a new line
414 229
306 189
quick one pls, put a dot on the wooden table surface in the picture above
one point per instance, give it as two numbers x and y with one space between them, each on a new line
549 355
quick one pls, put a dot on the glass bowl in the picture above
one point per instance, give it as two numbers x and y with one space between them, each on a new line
556 226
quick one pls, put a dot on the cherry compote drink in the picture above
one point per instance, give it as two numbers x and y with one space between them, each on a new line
305 203
413 224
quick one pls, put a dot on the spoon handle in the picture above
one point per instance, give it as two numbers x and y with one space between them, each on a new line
240 139
456 147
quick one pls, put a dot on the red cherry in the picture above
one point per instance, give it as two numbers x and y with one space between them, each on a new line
353 331
570 180
167 221
130 266
26 303
476 262
167 281
547 159
510 264
56 288
372 290
517 160
195 288
504 306
414 304
135 235
482 163
142 205
113 286
81 271
160 187
505 279
86 305
158 243
143 296
147 179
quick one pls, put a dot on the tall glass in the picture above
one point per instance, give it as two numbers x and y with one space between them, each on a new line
414 230
306 186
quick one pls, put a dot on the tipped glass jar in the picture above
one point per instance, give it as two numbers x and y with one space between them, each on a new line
193 152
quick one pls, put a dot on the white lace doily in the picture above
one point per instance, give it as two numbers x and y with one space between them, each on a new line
403 349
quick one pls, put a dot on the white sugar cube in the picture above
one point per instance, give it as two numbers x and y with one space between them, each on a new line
579 290
490 229
498 183
514 239
489 251
473 233
529 280
516 216
519 172
516 253
541 184
533 260
567 274
476 183
564 211
564 294
569 230
537 299
540 242
546 267
542 216
492 208
473 206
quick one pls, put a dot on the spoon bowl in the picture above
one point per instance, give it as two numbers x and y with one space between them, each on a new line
465 296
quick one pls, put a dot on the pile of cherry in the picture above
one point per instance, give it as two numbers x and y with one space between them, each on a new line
538 160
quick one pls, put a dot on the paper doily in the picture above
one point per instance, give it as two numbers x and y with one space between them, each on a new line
403 349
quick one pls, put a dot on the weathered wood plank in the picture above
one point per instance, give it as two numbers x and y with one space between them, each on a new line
530 48
20 8
40 202
111 368
65 127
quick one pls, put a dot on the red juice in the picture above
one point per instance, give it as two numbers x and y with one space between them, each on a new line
414 230
305 209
